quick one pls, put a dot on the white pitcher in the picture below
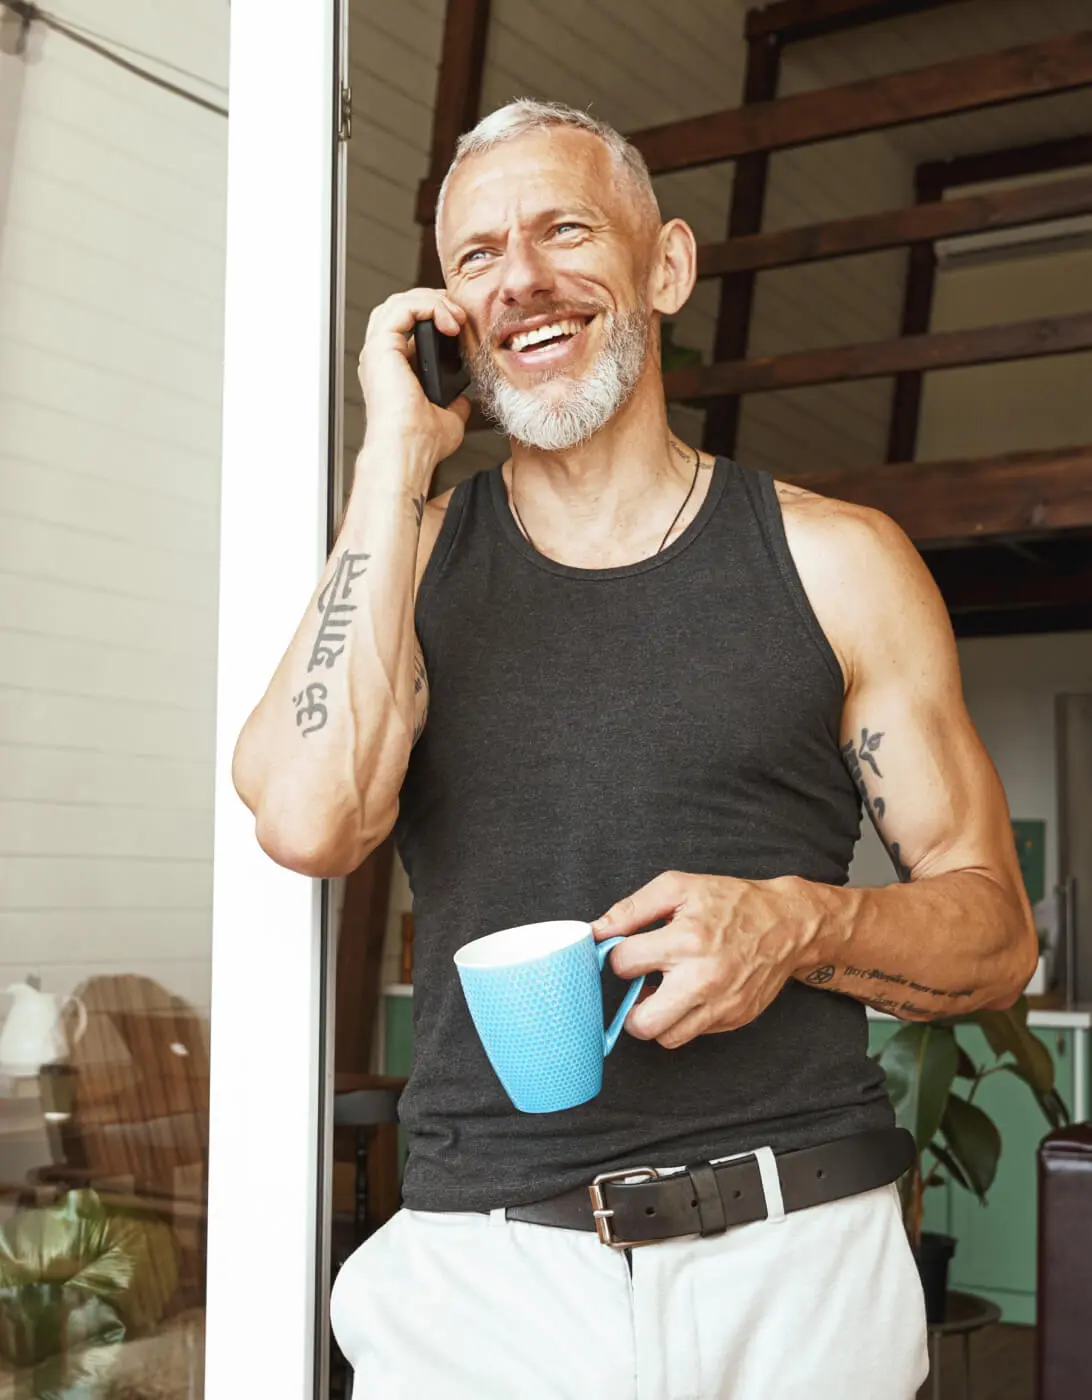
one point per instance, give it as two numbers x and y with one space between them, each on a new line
34 1033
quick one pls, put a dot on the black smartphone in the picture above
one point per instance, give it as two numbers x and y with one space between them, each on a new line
440 365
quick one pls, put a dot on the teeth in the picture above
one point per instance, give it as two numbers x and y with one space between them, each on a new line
526 339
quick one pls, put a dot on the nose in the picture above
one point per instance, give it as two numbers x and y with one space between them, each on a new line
525 274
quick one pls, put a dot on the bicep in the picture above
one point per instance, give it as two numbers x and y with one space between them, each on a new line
924 775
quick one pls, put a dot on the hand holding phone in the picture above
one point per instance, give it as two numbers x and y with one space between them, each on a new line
439 365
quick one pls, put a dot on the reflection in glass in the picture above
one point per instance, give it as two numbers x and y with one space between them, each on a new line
112 194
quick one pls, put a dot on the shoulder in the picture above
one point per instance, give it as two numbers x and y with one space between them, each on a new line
868 585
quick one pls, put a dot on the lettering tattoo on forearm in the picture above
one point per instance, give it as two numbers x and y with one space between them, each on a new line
823 976
856 758
336 611
314 709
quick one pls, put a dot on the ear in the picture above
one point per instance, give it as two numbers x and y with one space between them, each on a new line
674 267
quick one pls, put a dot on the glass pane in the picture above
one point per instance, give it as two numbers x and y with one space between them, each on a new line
113 139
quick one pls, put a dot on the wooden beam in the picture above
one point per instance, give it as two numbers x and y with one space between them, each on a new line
1010 163
874 104
978 579
456 107
1022 340
896 228
744 218
1022 494
792 20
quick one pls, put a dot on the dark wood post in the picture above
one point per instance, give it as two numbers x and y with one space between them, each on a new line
737 291
457 107
917 312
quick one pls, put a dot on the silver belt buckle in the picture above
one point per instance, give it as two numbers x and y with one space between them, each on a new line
603 1213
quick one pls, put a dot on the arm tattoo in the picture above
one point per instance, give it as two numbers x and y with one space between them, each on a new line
419 508
858 757
336 611
822 976
420 688
314 709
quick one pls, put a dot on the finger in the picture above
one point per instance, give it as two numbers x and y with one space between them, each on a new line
675 998
693 1024
659 899
400 313
655 951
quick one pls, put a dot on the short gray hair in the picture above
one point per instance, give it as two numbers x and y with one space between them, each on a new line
526 115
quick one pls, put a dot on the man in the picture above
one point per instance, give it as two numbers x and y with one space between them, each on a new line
618 678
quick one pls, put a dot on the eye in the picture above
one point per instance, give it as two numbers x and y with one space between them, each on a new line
569 226
475 255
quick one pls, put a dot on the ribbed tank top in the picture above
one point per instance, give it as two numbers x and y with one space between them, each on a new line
589 729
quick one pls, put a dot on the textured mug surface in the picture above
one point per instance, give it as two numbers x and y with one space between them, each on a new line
536 999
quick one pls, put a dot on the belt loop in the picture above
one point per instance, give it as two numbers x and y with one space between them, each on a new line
771 1183
711 1215
498 1217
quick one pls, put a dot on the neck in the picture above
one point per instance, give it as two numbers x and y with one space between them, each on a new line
609 499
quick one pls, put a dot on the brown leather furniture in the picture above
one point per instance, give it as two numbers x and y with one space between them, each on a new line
1064 1336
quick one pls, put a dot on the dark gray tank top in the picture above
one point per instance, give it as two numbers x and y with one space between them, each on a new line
589 729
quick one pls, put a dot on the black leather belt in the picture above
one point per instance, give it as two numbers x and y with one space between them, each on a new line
707 1199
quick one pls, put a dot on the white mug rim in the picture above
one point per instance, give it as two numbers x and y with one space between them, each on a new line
507 947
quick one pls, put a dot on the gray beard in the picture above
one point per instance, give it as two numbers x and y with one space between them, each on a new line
557 422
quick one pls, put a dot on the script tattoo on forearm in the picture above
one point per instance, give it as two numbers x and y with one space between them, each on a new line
858 757
822 976
314 709
336 611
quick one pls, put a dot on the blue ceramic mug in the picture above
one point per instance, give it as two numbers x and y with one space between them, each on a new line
536 998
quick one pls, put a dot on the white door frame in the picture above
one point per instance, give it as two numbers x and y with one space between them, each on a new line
270 1067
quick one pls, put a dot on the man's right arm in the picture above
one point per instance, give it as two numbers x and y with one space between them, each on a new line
321 760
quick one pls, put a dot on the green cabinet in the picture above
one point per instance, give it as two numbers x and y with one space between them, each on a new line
995 1251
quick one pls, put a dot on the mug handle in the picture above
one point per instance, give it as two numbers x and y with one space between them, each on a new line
614 1030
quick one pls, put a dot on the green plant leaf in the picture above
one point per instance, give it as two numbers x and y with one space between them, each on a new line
1007 1031
949 1163
920 1063
973 1141
965 1066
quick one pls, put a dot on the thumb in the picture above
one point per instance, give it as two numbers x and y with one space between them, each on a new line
659 899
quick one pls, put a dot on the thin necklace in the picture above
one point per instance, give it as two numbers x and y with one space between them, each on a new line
675 521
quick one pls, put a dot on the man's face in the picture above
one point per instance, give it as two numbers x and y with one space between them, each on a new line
543 244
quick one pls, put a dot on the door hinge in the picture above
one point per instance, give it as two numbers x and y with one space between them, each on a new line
345 114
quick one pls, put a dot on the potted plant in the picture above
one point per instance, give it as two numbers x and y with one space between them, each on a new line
77 1278
955 1138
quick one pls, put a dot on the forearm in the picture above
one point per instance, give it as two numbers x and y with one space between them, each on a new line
321 760
938 946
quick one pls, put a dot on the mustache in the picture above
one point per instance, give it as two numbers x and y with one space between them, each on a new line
561 310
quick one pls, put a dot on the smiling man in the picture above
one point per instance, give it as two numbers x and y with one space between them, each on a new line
615 677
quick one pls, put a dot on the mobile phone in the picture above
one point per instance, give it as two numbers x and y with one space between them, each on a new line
440 365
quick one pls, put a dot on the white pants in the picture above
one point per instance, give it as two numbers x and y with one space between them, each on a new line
824 1304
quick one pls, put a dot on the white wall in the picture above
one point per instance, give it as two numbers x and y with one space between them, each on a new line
111 270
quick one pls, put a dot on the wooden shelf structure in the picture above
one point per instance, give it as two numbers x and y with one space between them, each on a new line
1030 497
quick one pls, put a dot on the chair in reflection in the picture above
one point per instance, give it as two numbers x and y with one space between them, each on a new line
131 1112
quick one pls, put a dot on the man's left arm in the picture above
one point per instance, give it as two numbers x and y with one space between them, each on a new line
957 933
